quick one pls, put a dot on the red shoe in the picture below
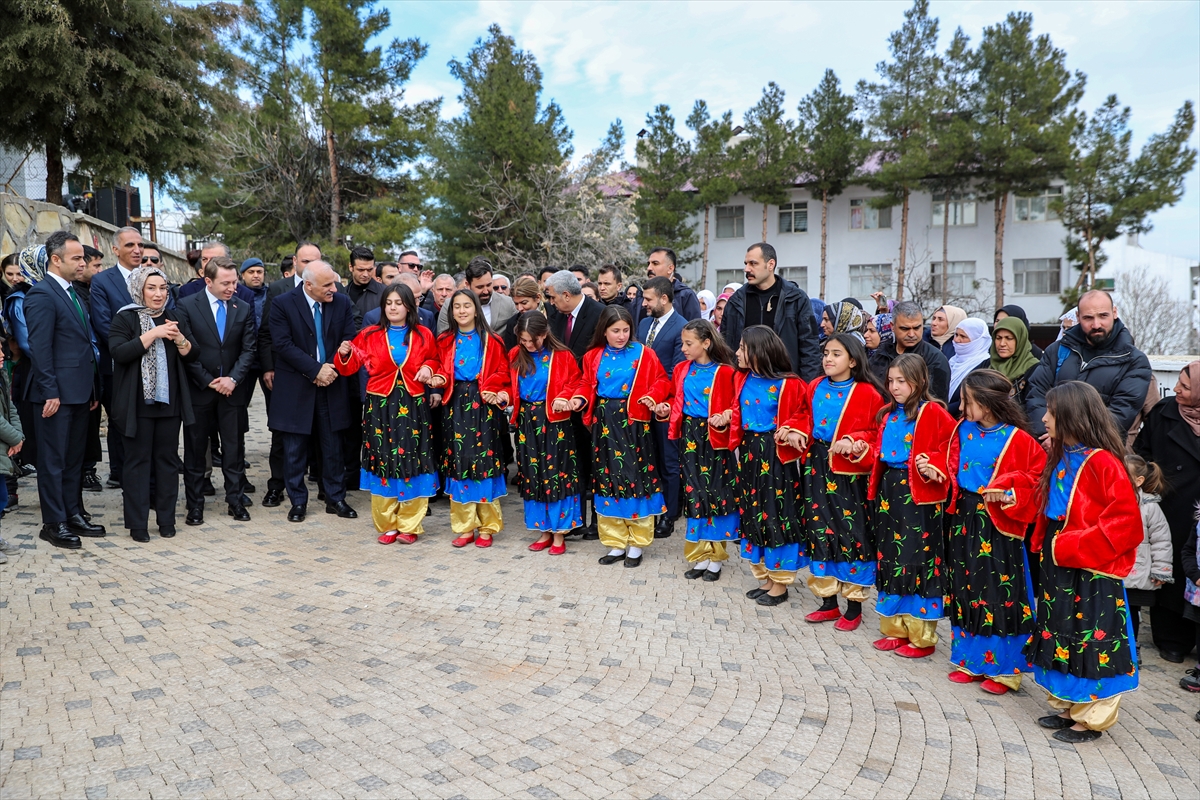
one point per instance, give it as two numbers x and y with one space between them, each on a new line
482 542
889 643
558 549
991 687
538 547
463 540
823 616
844 624
958 676
908 651
407 538
388 537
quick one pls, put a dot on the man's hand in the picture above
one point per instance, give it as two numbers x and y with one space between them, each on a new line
426 280
92 405
50 408
223 386
345 349
269 379
326 375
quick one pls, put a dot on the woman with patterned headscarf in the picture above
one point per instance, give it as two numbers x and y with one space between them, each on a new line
32 262
844 317
149 345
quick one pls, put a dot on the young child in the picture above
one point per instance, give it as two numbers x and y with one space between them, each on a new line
1083 650
398 467
845 404
474 372
1154 565
908 486
545 376
11 439
768 423
700 412
994 465
623 381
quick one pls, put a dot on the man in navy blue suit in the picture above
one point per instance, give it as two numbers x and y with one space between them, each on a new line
661 330
63 388
309 325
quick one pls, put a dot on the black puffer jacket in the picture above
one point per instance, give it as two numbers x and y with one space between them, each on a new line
794 322
1115 368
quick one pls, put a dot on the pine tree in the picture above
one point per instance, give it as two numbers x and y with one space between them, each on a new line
898 110
831 147
711 166
768 158
1024 114
664 209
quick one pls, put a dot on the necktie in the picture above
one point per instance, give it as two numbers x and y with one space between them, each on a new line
320 333
221 320
78 307
570 325
653 333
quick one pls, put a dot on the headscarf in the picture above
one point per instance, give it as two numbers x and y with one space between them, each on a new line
818 309
1191 412
709 299
1012 311
33 261
954 316
1072 315
847 318
1016 365
883 324
156 378
967 356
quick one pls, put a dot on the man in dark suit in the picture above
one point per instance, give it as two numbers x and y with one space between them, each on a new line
223 329
308 326
661 330
306 253
64 384
425 317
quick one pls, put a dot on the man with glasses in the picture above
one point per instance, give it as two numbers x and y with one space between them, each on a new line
501 285
410 261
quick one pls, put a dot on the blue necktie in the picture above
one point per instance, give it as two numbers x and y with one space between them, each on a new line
221 320
320 334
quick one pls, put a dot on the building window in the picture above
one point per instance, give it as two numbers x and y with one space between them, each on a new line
868 278
1037 276
797 275
962 209
731 222
865 218
959 278
728 276
1037 208
793 218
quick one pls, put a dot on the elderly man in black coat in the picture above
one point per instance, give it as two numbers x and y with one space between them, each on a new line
908 327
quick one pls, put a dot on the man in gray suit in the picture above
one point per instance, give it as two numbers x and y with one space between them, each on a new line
496 307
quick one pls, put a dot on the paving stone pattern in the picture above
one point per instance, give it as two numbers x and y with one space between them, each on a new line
272 659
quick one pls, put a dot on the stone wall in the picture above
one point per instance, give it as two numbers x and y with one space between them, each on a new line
24 222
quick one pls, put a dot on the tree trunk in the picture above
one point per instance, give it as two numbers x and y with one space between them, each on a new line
1091 270
945 247
764 236
704 262
824 223
335 186
1000 209
54 173
903 246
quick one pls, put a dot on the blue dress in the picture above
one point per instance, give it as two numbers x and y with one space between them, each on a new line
709 476
625 485
771 531
546 456
474 473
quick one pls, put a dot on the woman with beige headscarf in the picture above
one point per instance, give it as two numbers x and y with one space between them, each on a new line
942 325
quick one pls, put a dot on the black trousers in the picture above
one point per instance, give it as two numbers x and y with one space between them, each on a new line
61 440
116 442
152 453
218 416
666 459
295 455
275 459
28 413
93 453
1170 630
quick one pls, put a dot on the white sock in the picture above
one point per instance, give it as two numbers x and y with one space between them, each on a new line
714 566
616 552
634 552
699 565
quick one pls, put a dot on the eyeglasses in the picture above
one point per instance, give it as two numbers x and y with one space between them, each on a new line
151 260
412 266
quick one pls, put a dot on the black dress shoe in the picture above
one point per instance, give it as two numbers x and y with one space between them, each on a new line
634 561
765 599
711 577
91 482
81 527
272 499
208 490
1072 736
195 516
1172 656
246 500
239 512
606 560
248 487
298 513
664 529
60 536
1055 723
342 509
112 483
591 533
574 532
140 535
320 495
167 533
692 574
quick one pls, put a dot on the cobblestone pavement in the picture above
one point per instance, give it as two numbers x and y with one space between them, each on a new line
271 659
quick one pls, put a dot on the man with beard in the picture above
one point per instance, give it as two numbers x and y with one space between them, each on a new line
660 263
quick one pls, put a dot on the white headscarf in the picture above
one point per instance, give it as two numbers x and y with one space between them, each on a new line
967 356
1072 315
709 299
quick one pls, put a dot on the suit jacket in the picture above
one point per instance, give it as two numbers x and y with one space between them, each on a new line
582 330
109 295
63 347
294 342
668 340
266 356
502 308
232 357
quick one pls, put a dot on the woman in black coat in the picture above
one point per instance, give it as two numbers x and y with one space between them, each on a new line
149 346
1170 437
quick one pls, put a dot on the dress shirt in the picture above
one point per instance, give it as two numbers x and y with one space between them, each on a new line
657 324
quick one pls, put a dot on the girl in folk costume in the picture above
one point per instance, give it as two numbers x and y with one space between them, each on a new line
545 377
841 433
398 467
623 382
770 415
909 486
474 372
700 412
994 466
1083 649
